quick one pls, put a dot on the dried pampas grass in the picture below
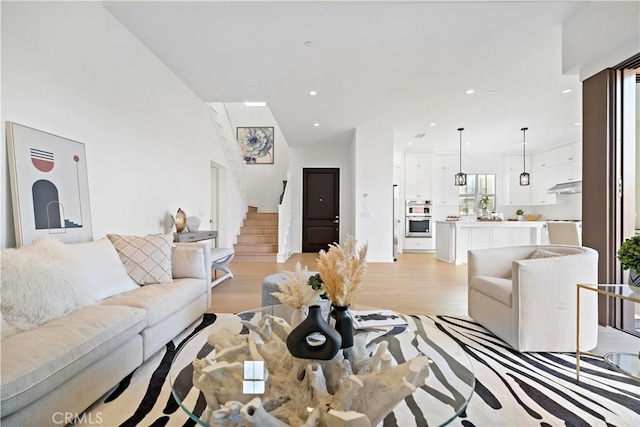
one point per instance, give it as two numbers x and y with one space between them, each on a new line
295 290
342 270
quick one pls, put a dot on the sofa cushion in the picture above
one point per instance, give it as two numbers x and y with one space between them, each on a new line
161 300
495 287
104 272
36 362
146 258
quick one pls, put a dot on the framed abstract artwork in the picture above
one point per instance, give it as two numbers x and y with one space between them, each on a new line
49 187
256 145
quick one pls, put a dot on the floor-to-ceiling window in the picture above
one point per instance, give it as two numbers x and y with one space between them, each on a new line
610 116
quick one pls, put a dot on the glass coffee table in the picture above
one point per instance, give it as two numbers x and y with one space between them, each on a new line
626 363
445 394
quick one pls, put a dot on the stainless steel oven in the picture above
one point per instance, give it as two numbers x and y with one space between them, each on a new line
418 218
418 208
418 226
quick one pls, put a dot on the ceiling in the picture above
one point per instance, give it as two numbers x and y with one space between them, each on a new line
400 65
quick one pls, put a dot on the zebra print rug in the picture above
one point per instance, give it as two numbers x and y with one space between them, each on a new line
511 388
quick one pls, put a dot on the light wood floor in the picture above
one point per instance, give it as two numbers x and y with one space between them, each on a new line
414 284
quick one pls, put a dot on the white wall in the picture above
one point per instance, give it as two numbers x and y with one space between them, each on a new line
600 36
374 192
321 156
263 182
73 70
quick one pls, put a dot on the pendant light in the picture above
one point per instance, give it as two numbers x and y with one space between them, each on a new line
525 179
461 177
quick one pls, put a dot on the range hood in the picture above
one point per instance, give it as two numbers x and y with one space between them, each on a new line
572 187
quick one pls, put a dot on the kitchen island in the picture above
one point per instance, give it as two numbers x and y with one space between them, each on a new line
455 238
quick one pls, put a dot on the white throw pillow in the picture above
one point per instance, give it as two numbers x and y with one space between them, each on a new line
187 260
105 273
40 282
147 259
541 253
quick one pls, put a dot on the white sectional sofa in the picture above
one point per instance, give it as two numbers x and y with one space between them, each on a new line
63 366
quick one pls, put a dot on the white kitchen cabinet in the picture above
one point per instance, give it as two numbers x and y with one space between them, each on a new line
541 181
568 153
418 174
418 244
417 160
445 192
514 163
516 194
417 184
454 239
569 172
513 193
541 160
557 156
445 242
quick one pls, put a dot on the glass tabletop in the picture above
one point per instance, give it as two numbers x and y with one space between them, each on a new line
445 394
627 363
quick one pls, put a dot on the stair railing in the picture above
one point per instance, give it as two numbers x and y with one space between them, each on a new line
285 238
222 123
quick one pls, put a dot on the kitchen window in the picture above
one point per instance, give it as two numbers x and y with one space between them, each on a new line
479 188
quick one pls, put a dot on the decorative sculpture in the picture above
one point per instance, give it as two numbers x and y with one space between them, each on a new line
180 221
301 392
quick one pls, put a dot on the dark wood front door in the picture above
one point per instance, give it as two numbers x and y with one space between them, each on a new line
320 208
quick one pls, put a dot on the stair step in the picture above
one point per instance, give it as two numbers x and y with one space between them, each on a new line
257 248
263 215
260 223
252 209
262 231
257 238
254 257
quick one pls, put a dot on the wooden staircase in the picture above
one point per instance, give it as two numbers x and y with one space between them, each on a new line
258 239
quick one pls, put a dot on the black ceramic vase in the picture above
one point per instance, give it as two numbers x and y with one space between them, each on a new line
344 324
314 338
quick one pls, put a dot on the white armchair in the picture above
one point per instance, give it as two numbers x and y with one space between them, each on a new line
531 303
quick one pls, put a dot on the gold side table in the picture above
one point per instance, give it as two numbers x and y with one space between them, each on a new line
626 363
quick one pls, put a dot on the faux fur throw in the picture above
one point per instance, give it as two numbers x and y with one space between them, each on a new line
40 283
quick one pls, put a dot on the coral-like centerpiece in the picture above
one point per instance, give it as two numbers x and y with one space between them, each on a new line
357 387
300 392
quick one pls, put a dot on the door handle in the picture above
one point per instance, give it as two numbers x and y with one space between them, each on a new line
337 221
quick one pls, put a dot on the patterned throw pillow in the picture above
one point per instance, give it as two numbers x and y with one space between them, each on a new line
541 253
147 259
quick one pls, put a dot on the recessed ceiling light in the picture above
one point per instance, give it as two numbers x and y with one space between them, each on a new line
577 124
432 124
308 43
491 91
255 104
566 91
470 91
411 143
316 124
313 93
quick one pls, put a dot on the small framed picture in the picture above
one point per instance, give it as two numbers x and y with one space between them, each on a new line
256 145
